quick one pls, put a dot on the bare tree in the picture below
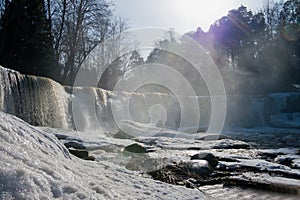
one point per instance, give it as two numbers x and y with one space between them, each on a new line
78 26
110 57
271 11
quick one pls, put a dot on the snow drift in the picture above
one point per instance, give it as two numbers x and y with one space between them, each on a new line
35 165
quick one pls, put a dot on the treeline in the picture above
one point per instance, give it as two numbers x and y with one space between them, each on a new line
52 38
256 53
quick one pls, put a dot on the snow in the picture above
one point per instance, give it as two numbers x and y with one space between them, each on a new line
35 165
266 178
261 165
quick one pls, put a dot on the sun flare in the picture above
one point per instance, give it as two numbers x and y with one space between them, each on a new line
195 11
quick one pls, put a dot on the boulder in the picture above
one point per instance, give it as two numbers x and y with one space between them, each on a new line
210 158
135 148
199 167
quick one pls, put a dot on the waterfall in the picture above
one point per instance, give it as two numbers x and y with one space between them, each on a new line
259 111
285 110
39 101
44 102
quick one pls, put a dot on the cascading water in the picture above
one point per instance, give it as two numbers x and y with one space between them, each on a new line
44 102
285 110
39 101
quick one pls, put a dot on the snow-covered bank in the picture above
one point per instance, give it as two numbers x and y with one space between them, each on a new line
35 165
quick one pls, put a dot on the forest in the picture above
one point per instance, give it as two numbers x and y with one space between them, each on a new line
257 52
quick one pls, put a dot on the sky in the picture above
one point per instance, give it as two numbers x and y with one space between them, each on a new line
182 15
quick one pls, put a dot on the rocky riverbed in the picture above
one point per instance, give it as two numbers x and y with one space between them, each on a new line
242 164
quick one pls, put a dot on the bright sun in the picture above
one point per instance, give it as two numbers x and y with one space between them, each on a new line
201 12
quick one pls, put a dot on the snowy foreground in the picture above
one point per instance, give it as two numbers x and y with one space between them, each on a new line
36 165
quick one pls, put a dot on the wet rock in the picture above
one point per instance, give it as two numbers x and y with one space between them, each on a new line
122 135
79 150
83 154
228 159
80 153
65 137
75 145
284 161
296 163
269 155
194 148
61 136
210 137
210 158
135 148
233 146
91 158
198 168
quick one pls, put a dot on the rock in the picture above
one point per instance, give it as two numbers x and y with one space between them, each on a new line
74 144
210 137
284 161
78 150
91 158
65 137
122 135
135 148
61 136
233 146
80 153
269 156
210 158
228 159
199 168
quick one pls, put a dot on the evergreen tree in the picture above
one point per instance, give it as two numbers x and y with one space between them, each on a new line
134 60
25 38
290 36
